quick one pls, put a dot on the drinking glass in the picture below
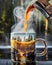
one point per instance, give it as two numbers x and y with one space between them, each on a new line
23 48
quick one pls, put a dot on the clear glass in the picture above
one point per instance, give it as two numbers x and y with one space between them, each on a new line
23 48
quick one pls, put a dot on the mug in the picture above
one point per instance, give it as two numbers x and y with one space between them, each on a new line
23 48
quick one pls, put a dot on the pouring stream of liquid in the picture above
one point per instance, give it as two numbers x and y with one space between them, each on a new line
26 15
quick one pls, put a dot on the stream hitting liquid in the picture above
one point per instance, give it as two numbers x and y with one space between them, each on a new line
26 17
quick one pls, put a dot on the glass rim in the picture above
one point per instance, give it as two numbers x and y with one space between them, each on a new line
24 33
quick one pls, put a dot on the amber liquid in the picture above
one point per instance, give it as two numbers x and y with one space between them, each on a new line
21 49
26 16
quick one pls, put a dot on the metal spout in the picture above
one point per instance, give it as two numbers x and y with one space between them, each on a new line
44 7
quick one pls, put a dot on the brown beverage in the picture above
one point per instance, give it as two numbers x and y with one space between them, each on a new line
26 15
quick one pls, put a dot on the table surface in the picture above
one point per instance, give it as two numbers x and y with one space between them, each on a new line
8 62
